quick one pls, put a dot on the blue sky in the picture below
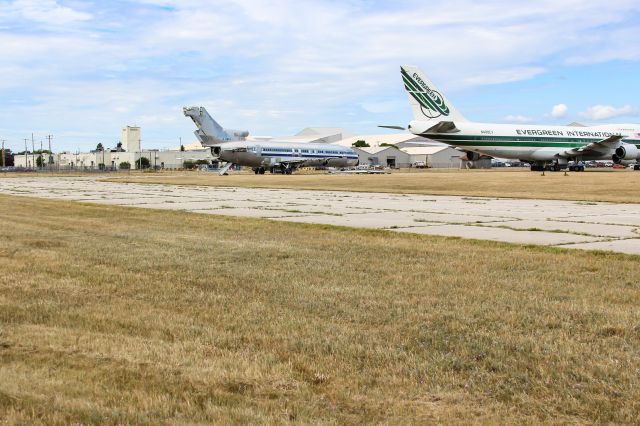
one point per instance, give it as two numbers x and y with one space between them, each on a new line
81 70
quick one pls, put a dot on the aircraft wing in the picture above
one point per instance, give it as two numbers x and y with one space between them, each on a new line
599 146
293 161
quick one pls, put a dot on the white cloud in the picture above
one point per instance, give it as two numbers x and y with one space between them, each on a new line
559 111
43 11
504 76
518 119
603 112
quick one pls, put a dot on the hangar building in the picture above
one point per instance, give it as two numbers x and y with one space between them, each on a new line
423 156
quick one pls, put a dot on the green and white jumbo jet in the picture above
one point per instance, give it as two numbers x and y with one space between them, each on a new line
544 147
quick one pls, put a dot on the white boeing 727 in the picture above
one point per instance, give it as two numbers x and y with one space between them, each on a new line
543 147
285 157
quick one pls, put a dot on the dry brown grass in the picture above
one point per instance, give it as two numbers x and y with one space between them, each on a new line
128 316
614 186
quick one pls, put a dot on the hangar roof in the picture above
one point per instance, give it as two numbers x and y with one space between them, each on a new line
375 149
377 140
424 150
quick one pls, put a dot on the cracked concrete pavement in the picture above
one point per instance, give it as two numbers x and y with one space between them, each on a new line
569 224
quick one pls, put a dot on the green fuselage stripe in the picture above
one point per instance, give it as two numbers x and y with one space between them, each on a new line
516 141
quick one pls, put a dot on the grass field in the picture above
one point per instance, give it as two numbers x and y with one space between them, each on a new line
129 316
614 186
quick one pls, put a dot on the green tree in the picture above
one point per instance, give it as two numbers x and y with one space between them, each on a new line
143 163
40 161
188 164
125 165
99 147
361 144
181 147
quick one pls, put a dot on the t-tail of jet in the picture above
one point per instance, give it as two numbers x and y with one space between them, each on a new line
209 131
427 102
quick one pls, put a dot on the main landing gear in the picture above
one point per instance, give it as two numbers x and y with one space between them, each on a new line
554 167
542 167
259 170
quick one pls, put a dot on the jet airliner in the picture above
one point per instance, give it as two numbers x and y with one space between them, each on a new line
232 147
544 147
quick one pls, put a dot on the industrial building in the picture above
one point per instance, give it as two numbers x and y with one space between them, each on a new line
127 155
424 156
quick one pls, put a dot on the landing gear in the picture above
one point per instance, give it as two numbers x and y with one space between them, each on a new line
259 170
286 170
541 167
537 167
636 167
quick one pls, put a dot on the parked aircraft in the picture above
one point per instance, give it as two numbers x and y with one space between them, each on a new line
544 147
261 156
285 157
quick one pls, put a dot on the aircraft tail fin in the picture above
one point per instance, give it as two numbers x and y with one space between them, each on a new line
427 102
209 131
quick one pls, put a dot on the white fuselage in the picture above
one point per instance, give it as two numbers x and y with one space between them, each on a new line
277 154
531 142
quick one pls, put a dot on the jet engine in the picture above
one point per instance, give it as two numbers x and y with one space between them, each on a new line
240 135
626 151
472 156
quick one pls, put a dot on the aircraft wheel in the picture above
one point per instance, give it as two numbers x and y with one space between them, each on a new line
256 170
261 170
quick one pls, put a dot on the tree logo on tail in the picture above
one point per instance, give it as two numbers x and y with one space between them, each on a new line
431 102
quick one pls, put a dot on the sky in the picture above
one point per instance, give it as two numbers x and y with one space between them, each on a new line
81 70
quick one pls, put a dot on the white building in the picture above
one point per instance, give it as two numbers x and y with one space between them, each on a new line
117 160
131 139
437 157
386 156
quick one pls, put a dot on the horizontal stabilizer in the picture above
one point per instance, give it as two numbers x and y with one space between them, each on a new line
444 127
392 127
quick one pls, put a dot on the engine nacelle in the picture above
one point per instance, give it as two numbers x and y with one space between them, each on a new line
238 134
472 156
626 151
215 150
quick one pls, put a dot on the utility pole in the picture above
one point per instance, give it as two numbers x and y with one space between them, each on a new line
3 162
50 153
33 151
